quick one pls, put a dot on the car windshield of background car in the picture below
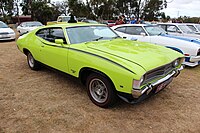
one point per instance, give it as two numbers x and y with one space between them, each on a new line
3 25
89 33
186 29
154 30
33 24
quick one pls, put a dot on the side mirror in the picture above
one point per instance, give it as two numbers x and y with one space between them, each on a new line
59 41
142 34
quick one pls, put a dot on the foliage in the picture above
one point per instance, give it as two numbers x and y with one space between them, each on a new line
186 19
6 9
43 11
40 10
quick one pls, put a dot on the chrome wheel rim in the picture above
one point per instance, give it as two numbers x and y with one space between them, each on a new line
30 60
98 90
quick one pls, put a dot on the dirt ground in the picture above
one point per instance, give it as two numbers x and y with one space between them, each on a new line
46 101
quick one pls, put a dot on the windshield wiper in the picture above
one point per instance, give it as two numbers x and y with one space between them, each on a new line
116 37
97 39
160 33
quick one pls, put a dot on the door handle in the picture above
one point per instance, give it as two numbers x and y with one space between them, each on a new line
42 46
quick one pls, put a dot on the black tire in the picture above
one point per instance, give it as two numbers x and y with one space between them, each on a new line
32 63
101 91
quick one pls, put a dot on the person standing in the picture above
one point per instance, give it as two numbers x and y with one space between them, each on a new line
124 19
133 20
119 21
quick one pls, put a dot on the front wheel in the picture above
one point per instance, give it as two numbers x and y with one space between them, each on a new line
32 63
101 91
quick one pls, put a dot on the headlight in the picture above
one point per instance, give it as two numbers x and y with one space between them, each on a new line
176 63
137 83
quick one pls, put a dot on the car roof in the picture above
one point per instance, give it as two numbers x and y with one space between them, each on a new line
121 25
30 21
171 23
191 24
74 25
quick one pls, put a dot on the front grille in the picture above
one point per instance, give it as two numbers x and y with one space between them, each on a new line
157 73
4 33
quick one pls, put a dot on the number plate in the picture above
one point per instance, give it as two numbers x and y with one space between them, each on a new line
163 85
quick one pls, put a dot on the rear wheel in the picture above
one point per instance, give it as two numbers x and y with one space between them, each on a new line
101 91
32 63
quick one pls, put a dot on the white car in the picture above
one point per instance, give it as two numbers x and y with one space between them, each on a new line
26 27
6 33
156 35
178 29
194 27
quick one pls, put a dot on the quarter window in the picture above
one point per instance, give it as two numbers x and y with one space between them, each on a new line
121 29
42 33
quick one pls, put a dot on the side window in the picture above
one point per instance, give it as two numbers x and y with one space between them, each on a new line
134 30
163 27
42 33
51 34
191 27
56 33
172 28
121 29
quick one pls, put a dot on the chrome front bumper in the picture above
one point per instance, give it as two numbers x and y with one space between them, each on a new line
136 93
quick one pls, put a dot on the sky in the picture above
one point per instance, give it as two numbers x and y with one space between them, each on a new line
176 8
183 8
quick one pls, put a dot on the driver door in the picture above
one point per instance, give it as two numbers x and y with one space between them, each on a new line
53 54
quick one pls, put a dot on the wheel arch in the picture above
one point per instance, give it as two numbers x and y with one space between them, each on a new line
25 51
86 71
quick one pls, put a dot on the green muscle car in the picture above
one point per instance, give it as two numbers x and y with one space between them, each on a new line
108 65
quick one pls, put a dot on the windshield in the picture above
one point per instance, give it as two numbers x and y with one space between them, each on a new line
186 29
89 33
33 24
198 27
3 25
154 30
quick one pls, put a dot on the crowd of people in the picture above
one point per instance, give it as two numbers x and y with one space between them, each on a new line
122 20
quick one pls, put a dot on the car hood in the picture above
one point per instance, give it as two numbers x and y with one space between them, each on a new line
148 56
9 30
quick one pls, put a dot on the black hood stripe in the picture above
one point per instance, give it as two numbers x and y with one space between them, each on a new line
103 58
91 54
118 57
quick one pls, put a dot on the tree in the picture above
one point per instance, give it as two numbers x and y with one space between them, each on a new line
152 9
43 12
40 10
62 7
6 7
